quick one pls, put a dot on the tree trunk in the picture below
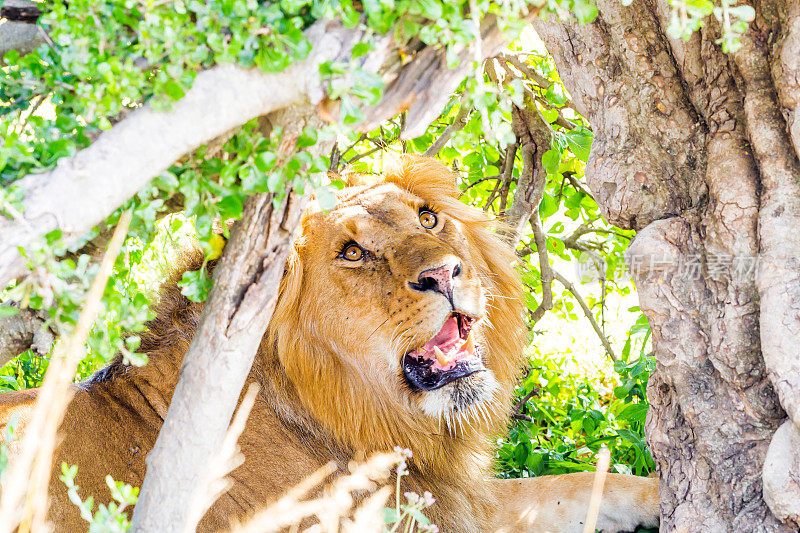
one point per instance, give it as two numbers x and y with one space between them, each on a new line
697 150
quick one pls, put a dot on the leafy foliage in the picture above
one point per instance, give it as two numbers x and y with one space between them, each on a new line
563 419
110 518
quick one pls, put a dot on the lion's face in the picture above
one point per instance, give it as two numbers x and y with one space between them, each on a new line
402 302
400 308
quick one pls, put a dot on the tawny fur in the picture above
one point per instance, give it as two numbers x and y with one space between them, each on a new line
329 371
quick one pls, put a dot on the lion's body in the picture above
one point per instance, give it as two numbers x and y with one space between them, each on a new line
332 386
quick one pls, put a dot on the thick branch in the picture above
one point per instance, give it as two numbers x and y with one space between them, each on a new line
83 190
534 135
214 369
24 330
19 31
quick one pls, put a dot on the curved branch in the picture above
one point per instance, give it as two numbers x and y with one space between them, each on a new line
588 312
83 190
460 120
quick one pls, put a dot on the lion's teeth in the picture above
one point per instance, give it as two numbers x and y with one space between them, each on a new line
440 356
469 344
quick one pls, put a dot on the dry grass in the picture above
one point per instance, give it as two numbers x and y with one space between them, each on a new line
603 462
24 484
336 505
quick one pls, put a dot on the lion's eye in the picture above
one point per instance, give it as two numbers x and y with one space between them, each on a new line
352 252
427 219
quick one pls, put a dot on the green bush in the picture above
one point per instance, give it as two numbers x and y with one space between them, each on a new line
562 419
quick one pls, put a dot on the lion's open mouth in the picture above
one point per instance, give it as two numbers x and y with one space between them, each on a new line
448 356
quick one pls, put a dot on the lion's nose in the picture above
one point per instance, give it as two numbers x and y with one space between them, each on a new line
439 279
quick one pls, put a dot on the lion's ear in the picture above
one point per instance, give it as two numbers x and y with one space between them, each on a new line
355 179
291 283
424 176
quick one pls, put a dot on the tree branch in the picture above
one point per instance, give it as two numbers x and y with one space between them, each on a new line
19 31
545 269
535 138
24 330
527 72
460 120
83 190
588 312
214 368
508 174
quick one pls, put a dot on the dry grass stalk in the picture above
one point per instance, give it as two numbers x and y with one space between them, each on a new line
229 458
368 516
334 504
24 485
603 462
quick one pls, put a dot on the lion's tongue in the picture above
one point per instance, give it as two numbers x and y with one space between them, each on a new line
446 348
446 338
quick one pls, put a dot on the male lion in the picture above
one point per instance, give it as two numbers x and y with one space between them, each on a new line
399 323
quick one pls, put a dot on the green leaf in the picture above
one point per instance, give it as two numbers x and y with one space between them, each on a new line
265 161
274 181
231 206
173 89
551 160
580 144
361 49
548 206
195 285
585 11
431 9
307 138
7 311
550 115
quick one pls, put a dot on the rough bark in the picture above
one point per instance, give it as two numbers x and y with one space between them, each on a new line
697 150
534 137
24 330
214 369
19 33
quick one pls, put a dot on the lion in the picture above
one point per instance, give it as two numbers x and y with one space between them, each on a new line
399 322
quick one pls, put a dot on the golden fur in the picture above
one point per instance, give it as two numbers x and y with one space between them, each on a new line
330 373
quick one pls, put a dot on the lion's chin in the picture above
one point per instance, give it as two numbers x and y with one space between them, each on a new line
464 399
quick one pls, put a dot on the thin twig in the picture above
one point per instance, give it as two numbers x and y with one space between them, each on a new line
363 155
588 312
361 137
335 157
570 176
526 70
521 404
476 182
460 120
